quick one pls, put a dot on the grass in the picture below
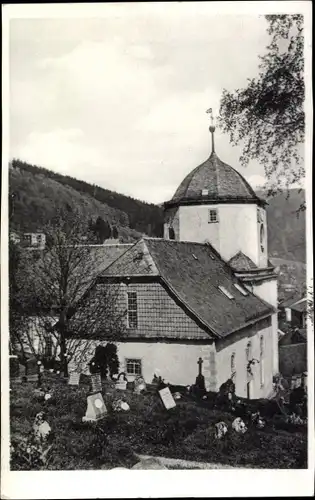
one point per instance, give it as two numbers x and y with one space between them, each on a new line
185 432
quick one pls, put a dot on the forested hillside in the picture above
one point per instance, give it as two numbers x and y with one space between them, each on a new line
37 190
35 193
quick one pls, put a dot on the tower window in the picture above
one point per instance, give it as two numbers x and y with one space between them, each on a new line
262 237
132 310
213 215
171 233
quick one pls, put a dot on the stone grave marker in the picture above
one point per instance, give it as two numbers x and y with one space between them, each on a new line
96 382
167 398
74 378
140 385
96 408
121 382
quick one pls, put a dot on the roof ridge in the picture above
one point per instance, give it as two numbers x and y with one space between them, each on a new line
124 253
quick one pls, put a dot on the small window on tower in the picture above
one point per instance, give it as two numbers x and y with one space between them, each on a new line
171 233
213 215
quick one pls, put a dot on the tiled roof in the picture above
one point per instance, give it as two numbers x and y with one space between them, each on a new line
193 272
295 303
300 306
220 180
240 262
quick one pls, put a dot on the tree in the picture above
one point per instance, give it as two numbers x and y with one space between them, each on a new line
61 293
268 115
105 359
115 233
102 230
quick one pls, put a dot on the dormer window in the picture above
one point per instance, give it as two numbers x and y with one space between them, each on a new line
225 292
213 215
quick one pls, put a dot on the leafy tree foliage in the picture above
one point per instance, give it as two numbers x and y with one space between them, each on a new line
57 288
267 116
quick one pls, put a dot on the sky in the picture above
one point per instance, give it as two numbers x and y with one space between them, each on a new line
120 100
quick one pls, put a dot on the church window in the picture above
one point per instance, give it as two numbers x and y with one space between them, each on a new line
171 233
262 361
225 292
233 365
248 352
133 367
132 310
262 237
241 289
213 215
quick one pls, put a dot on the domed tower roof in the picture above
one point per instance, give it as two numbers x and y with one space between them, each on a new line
214 182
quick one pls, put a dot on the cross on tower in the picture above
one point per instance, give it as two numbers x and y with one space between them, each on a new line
199 363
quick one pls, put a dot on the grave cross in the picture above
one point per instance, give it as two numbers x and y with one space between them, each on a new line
199 362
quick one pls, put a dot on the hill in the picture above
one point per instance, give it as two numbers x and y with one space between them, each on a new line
286 226
35 193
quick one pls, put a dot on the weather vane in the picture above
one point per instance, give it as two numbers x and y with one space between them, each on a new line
212 127
209 111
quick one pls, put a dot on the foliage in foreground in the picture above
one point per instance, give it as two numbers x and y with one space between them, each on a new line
186 432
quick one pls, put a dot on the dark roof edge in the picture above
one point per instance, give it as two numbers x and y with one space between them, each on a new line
250 322
213 201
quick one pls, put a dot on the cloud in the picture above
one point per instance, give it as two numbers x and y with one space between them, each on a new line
136 86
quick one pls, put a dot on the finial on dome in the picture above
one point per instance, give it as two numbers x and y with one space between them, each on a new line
211 128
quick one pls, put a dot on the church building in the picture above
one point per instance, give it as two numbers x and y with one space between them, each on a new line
206 290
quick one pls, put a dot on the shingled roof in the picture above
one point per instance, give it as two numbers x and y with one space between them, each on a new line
193 272
214 181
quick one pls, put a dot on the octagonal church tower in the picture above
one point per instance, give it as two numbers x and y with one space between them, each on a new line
215 204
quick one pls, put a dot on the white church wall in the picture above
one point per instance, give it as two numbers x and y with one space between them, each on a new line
268 291
175 362
236 229
194 225
236 344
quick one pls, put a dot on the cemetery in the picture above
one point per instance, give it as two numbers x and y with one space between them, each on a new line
92 422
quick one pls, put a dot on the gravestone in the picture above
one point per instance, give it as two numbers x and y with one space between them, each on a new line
121 383
167 398
140 385
96 409
96 382
74 378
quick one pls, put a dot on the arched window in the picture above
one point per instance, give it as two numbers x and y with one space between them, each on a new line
262 361
248 351
262 237
233 367
171 233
